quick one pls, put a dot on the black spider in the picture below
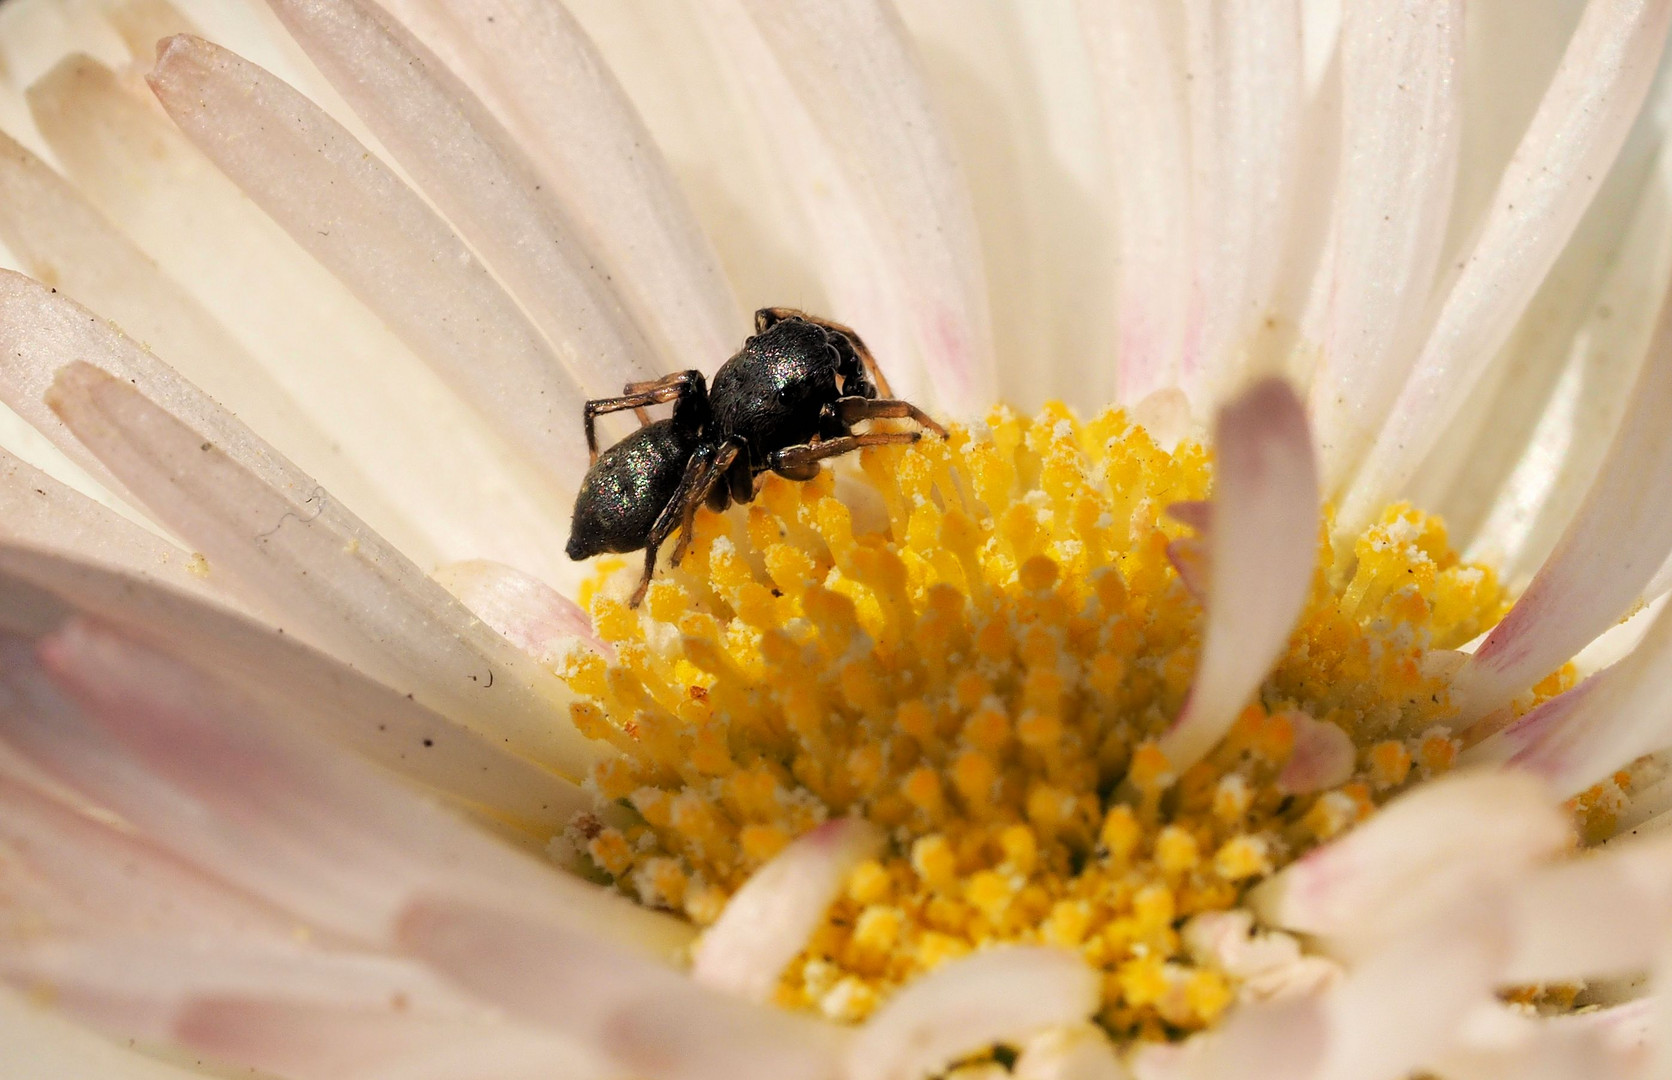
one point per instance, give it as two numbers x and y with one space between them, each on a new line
788 399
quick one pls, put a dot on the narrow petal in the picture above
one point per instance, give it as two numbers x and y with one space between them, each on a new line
1402 116
39 511
875 110
1263 551
644 1018
310 690
220 782
767 922
1139 62
1581 737
1445 840
60 238
1612 548
471 168
542 77
341 203
1000 996
312 561
527 612
422 449
1561 161
1246 99
1083 1053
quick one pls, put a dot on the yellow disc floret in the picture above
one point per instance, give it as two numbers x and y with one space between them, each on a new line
974 644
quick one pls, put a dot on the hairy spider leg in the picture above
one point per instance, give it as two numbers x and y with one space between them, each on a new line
852 410
766 318
707 464
801 462
726 462
683 388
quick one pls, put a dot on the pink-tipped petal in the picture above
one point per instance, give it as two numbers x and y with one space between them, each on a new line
216 779
1562 159
1612 718
1612 548
345 206
1002 995
527 612
307 688
645 1019
767 922
1323 757
1264 547
465 162
1138 53
310 559
874 110
542 77
1445 840
1402 100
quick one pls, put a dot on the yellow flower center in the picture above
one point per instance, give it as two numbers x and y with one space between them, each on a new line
974 643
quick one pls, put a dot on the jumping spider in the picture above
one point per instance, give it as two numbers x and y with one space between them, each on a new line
788 399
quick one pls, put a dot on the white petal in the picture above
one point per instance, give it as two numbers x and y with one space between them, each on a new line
645 1018
471 168
312 561
1497 1044
767 922
422 449
1401 114
1612 548
340 202
220 782
43 1046
1246 83
311 690
1559 165
1444 840
873 107
534 67
62 240
1001 995
38 511
1138 49
1579 738
1082 1053
1264 548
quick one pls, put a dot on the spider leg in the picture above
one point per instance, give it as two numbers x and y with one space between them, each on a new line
636 396
854 409
719 466
684 500
794 461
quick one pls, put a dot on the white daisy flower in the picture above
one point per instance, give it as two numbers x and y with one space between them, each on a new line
1262 675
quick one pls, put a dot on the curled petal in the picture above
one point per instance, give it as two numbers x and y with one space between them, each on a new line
767 922
1262 552
1002 995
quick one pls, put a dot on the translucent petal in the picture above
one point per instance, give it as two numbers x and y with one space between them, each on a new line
534 67
527 612
1264 548
767 922
353 213
472 169
998 996
289 540
1558 166
1401 116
